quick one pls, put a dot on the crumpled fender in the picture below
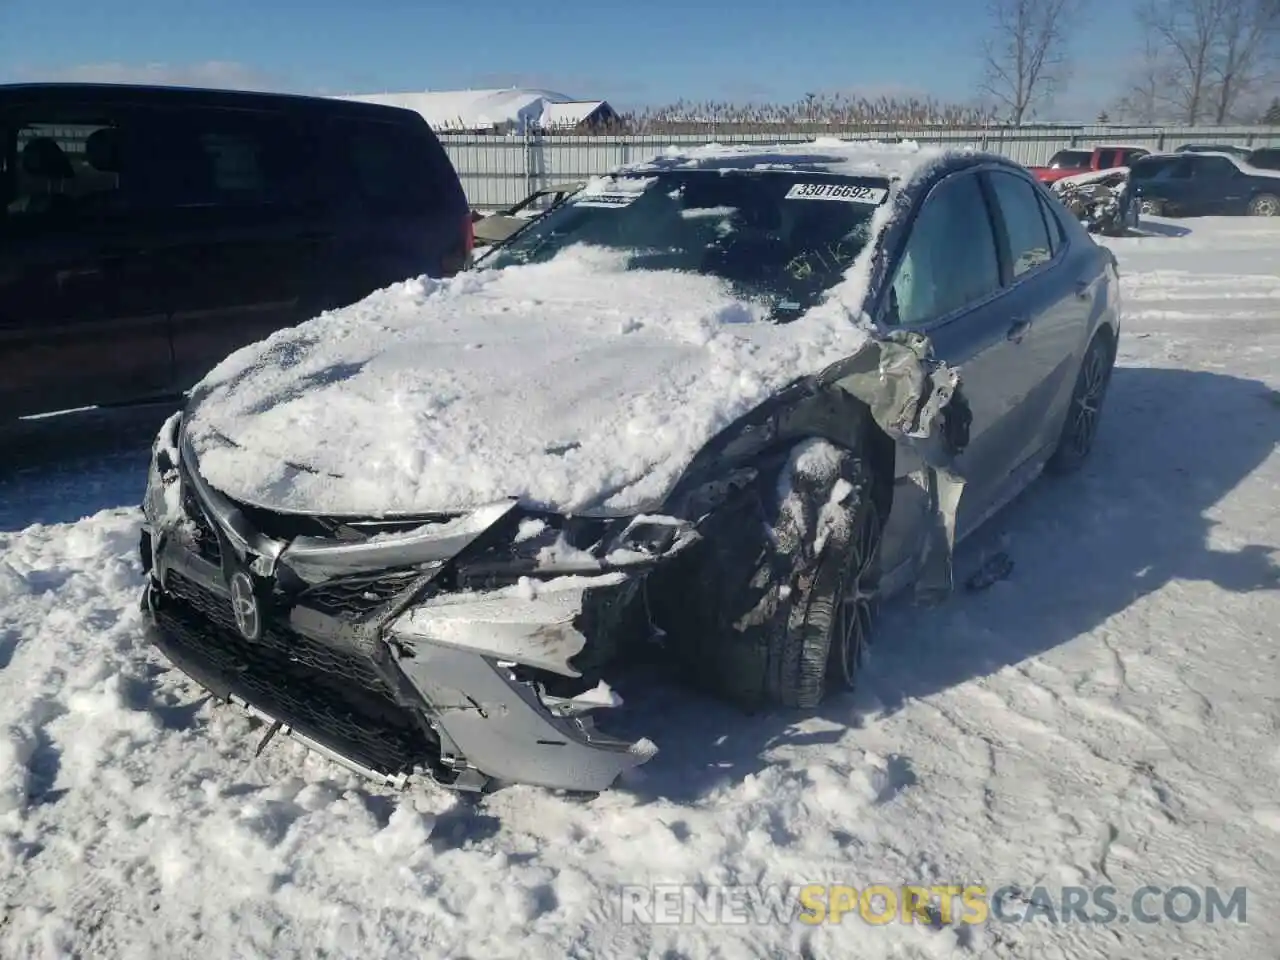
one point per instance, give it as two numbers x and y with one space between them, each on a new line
918 401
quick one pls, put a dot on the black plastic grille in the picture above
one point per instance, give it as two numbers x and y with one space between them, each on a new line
353 598
331 695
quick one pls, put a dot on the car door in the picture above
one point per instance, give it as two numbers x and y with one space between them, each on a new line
1050 299
238 232
81 322
946 284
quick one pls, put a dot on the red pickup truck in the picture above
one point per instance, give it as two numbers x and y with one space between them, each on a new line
1067 163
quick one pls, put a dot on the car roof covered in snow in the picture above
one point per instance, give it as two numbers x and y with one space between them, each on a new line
851 158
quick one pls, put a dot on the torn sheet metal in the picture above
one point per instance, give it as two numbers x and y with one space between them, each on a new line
918 401
532 623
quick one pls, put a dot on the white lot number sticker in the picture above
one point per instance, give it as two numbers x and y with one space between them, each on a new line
843 192
607 200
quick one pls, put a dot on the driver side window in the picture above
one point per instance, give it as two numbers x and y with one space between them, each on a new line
950 257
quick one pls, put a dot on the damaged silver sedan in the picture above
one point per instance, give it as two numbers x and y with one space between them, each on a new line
472 641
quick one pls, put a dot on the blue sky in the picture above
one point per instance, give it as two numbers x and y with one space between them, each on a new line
632 55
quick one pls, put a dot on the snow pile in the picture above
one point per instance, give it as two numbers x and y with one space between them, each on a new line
570 384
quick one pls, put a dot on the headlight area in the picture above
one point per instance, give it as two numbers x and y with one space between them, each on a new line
498 668
162 502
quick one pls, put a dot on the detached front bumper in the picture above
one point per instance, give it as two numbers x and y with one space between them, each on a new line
346 648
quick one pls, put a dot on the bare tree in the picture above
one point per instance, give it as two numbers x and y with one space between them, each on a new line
1146 97
1214 52
1250 29
1025 57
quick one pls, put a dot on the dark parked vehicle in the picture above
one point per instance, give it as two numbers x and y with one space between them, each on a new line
145 233
445 594
1230 149
1191 184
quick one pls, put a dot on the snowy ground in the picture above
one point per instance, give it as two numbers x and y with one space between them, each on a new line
1107 715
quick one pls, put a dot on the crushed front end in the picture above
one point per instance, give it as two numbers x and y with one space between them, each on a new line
465 646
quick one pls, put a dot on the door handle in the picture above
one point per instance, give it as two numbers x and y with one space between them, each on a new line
1018 330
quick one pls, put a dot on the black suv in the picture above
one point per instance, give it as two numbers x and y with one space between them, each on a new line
1192 184
147 232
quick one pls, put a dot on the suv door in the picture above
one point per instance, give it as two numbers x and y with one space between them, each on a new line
237 228
1167 182
1217 187
81 319
946 283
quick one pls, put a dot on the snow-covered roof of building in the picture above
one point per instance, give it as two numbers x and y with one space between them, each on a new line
516 108
570 113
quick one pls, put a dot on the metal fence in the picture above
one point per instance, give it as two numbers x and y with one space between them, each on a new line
498 170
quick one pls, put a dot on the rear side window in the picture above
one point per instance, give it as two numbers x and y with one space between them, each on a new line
222 158
950 257
1024 225
62 169
1053 223
391 167
1212 168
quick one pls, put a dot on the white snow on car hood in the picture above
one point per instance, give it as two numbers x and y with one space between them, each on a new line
573 385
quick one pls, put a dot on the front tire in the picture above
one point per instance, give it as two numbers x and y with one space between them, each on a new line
1151 208
1265 205
1085 410
779 605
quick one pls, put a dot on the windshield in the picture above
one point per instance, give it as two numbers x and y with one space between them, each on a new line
782 238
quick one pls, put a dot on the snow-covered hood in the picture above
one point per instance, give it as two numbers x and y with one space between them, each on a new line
574 385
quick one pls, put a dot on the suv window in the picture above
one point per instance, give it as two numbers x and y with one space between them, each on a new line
1212 168
1029 245
1149 168
60 169
950 258
388 166
222 158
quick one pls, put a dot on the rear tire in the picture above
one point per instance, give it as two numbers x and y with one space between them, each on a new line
1265 205
1085 410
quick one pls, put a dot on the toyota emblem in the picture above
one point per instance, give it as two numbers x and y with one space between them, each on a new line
245 607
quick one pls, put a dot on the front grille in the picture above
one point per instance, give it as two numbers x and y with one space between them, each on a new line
335 697
353 598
